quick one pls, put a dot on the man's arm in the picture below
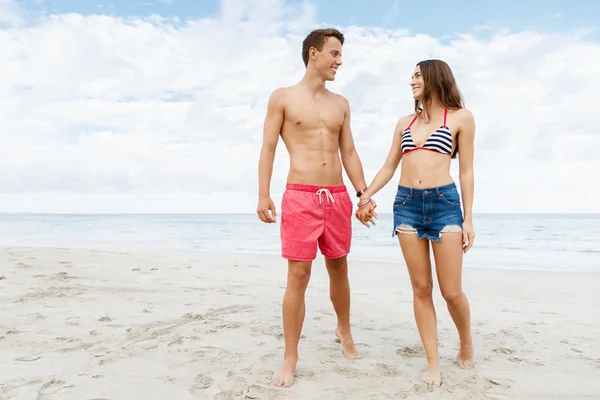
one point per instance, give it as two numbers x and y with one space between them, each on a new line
350 159
466 150
271 130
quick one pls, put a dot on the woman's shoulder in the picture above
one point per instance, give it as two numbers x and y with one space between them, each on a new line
463 114
406 120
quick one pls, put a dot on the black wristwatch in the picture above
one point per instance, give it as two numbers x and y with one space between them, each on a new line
360 192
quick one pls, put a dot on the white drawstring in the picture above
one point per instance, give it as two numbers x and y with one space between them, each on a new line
327 192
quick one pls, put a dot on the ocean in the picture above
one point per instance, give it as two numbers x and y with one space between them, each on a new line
564 242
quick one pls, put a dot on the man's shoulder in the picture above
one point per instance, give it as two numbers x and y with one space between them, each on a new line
279 93
277 98
340 99
337 96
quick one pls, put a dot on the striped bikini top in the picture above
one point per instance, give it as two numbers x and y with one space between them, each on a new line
440 140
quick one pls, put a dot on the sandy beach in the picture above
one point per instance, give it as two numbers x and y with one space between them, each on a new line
85 324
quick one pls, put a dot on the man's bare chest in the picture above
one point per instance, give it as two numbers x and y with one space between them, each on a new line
314 117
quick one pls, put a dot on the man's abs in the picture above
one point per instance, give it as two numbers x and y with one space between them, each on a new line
315 167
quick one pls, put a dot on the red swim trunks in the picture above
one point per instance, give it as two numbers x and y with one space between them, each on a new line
314 216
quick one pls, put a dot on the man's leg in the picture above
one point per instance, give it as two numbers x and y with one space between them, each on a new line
335 246
293 319
339 292
301 225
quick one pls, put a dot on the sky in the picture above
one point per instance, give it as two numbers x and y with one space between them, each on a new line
157 106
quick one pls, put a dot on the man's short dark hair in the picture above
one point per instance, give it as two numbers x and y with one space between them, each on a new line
317 38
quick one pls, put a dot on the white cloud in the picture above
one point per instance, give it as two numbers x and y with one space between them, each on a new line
101 113
10 14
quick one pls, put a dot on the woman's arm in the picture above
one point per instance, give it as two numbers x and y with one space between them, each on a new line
390 165
466 152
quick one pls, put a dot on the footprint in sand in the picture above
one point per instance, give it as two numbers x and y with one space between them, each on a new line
197 317
228 326
201 382
106 358
503 350
144 345
63 276
348 372
52 387
255 392
74 321
387 370
176 342
80 346
411 351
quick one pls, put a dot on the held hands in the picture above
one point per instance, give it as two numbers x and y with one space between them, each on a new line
366 211
266 210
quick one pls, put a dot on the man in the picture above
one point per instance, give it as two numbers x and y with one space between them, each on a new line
316 209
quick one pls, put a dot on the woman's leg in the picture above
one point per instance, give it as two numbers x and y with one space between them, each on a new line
448 255
416 256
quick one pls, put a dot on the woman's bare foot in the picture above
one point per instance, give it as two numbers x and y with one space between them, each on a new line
347 342
285 376
465 357
432 375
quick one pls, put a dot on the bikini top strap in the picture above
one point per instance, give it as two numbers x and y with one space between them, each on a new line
445 113
413 121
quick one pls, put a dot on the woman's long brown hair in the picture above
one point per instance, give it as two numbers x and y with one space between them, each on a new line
439 84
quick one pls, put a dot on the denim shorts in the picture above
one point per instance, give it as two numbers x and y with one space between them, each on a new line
427 212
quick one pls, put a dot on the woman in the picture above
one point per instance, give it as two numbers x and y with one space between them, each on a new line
427 207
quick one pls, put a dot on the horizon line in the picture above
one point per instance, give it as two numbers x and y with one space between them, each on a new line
253 213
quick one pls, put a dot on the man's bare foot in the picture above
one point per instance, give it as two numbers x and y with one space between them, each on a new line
432 375
465 357
285 376
347 342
